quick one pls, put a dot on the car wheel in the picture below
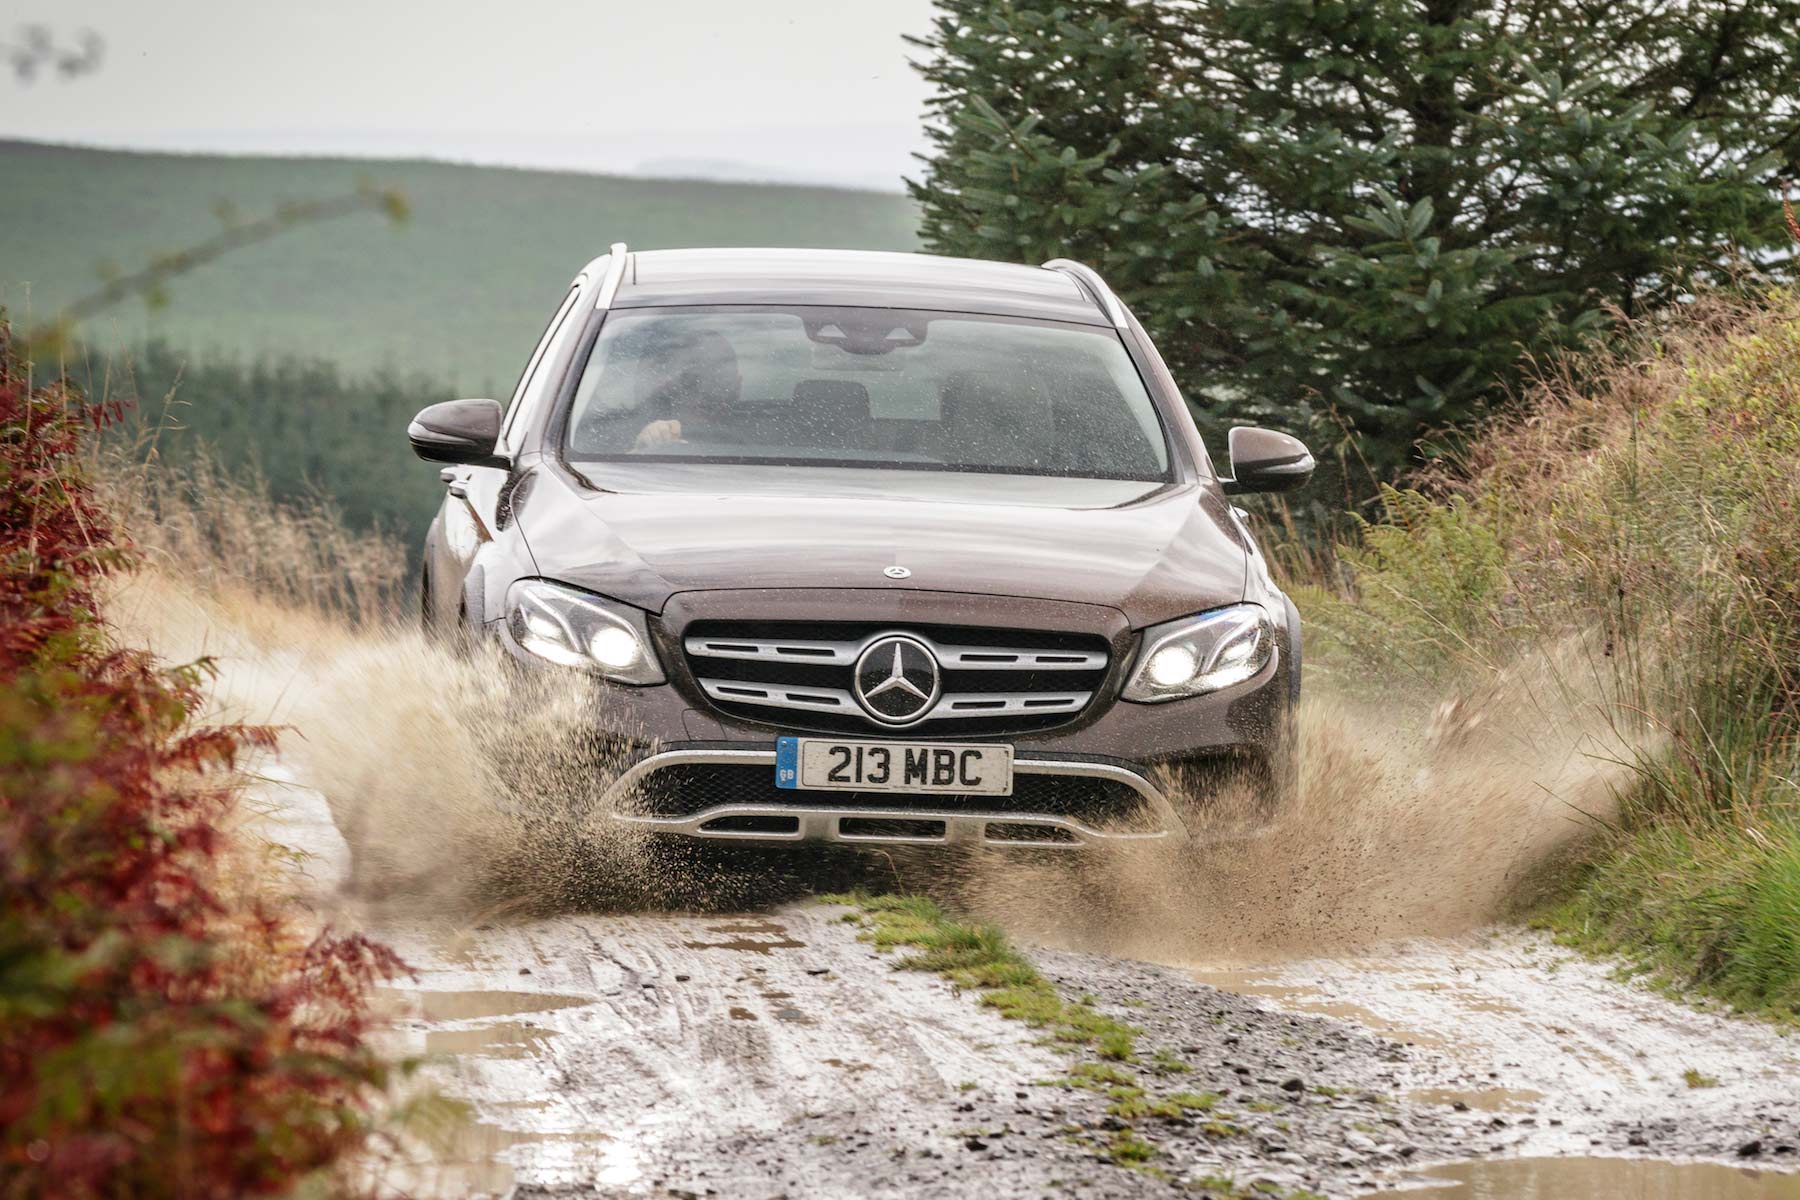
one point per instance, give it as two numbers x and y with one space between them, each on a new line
427 618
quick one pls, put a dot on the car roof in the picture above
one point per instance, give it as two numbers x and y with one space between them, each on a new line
853 278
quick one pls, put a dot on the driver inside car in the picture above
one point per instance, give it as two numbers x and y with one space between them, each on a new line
698 399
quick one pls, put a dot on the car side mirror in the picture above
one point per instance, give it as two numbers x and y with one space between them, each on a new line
1263 460
458 431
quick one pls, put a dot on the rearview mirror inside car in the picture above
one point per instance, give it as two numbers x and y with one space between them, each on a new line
457 431
1263 460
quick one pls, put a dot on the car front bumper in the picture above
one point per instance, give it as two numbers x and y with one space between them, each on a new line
897 820
1130 755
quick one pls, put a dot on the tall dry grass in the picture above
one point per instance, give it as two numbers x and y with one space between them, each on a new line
223 534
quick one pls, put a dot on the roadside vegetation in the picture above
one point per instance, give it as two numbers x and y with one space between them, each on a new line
226 536
1629 530
166 1028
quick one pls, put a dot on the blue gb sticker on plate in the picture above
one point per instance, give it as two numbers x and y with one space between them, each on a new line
787 762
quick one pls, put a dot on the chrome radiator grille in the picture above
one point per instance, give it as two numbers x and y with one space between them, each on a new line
990 680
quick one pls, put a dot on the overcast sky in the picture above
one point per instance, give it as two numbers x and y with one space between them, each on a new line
789 89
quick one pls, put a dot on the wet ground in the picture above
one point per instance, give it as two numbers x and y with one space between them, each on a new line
1511 1024
1601 1179
773 1054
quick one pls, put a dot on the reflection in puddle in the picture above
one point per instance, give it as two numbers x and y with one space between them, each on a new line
1601 1179
461 1164
1494 1099
508 1039
750 924
1300 999
477 1155
476 1158
493 1037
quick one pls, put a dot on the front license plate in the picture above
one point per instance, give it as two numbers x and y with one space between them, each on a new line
931 768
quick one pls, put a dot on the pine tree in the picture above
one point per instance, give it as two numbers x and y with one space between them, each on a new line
1367 213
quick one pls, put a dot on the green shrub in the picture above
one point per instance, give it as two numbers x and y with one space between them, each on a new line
1431 580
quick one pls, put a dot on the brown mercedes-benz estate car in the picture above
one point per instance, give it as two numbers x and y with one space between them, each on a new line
867 547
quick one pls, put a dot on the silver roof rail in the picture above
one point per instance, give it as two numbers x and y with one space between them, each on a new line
616 255
1089 281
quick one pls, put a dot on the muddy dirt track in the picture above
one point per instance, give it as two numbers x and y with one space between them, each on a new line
624 1045
772 1053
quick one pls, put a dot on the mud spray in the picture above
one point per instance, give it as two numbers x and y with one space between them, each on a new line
1412 817
465 787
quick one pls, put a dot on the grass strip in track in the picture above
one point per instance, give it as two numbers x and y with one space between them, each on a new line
979 957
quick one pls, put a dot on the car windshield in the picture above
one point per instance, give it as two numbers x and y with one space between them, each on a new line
865 387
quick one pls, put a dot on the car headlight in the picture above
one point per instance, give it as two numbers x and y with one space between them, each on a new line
576 629
1202 654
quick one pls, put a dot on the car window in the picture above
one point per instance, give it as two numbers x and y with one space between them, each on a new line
866 387
514 406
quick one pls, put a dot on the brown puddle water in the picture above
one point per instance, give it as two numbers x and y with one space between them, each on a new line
1600 1179
438 1007
1494 1099
1256 982
494 1037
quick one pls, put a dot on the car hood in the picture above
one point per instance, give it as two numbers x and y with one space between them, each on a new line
642 533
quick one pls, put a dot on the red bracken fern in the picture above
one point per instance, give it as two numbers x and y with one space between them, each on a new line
159 1036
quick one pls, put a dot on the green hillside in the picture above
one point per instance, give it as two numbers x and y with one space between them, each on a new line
458 293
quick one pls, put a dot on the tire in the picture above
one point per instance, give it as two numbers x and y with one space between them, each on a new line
427 617
1294 653
1285 760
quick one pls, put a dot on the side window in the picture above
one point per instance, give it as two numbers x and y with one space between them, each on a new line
513 406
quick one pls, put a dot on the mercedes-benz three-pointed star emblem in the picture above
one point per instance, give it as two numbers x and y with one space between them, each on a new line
896 679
